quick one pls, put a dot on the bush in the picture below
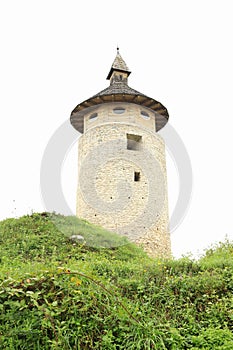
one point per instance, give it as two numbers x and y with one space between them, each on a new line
57 294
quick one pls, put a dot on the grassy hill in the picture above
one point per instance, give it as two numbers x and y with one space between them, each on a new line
105 293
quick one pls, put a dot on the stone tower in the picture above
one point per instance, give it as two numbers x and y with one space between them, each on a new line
122 181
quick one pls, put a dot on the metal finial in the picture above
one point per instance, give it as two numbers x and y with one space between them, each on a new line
118 49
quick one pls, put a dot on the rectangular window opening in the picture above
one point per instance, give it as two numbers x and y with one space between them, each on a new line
136 176
134 142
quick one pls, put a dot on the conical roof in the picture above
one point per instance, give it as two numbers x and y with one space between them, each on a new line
118 91
118 65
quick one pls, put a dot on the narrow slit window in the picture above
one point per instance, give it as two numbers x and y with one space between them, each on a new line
134 142
137 176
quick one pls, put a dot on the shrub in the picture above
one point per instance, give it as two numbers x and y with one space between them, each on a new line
56 294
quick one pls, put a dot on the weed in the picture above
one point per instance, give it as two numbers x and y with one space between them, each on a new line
107 293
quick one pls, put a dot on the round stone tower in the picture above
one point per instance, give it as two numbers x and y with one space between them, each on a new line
122 181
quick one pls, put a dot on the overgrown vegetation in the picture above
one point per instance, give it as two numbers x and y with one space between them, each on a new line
57 294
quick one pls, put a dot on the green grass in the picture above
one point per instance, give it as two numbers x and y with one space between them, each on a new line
107 293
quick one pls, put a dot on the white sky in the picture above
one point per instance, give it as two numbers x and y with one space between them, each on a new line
55 54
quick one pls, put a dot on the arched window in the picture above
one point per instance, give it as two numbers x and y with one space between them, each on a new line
119 110
93 116
145 115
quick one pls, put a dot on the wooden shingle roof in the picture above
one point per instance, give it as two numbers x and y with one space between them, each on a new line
118 65
118 91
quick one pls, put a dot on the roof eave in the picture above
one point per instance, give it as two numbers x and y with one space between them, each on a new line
77 115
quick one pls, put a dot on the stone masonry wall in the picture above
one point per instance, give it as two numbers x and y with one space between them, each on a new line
122 182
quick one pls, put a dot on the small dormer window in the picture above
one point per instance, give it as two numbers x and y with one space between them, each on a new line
145 115
119 110
93 117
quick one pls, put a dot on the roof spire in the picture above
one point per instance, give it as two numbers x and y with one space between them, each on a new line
118 65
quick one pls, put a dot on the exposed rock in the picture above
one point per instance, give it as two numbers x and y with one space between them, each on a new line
77 239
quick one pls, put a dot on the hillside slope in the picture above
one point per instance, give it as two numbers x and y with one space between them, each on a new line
105 293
